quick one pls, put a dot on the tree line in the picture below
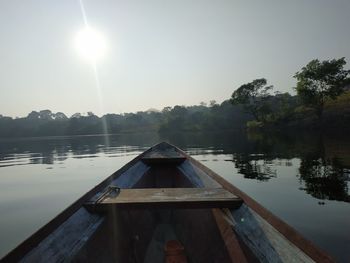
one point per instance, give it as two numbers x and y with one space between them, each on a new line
322 99
319 84
214 116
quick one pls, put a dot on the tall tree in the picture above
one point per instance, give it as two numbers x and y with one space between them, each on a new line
253 96
319 81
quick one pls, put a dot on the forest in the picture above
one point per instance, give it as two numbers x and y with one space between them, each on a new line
321 102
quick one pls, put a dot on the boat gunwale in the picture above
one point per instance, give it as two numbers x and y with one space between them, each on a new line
33 240
291 234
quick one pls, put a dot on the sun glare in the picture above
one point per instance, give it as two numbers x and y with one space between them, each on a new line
90 44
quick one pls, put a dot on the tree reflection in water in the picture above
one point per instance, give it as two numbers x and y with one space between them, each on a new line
324 170
254 167
324 178
324 162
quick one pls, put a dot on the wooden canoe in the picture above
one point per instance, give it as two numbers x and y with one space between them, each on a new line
164 196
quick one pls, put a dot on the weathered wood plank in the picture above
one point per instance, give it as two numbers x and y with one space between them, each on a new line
163 160
163 153
169 198
63 244
233 246
265 241
197 177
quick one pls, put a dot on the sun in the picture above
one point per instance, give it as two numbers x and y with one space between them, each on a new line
90 44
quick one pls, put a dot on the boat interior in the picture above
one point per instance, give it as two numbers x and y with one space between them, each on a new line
164 206
146 234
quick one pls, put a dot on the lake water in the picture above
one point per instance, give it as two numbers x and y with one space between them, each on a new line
302 179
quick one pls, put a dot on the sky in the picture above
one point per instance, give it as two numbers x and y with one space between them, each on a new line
159 52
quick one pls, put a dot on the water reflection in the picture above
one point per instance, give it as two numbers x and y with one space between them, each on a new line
323 170
254 167
324 178
49 150
324 160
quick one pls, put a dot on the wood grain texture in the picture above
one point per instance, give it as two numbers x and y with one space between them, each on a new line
63 244
265 242
287 231
197 177
164 154
164 150
169 198
233 246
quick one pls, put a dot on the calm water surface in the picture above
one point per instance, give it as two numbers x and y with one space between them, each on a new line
302 179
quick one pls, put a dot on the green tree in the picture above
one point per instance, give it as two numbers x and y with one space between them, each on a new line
319 81
253 96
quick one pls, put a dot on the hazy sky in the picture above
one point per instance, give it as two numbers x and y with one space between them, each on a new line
160 52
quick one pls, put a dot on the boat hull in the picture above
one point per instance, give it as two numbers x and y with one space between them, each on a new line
246 233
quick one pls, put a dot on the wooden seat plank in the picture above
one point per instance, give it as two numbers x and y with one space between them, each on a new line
169 198
163 160
166 155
